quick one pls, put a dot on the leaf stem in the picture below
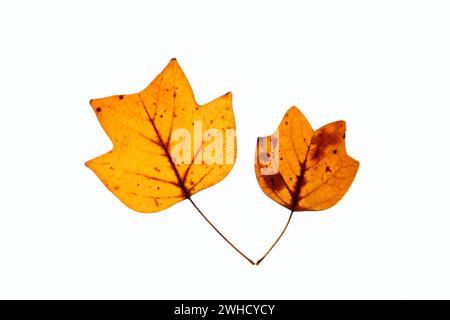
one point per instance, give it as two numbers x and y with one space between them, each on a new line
278 239
220 233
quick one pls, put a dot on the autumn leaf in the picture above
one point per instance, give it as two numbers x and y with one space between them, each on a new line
166 147
303 169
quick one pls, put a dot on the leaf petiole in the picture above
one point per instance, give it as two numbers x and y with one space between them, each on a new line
220 233
278 239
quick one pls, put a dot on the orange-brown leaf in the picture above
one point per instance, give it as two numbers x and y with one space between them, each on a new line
142 170
303 169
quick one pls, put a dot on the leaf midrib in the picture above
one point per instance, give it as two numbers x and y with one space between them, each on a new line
166 151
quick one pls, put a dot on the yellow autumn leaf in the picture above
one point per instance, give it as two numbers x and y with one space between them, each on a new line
166 147
303 169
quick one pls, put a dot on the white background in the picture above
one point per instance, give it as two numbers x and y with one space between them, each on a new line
383 66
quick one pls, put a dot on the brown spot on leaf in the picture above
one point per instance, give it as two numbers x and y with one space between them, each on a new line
327 169
98 110
275 181
322 141
121 97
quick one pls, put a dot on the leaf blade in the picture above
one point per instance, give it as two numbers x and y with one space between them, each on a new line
141 169
314 170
